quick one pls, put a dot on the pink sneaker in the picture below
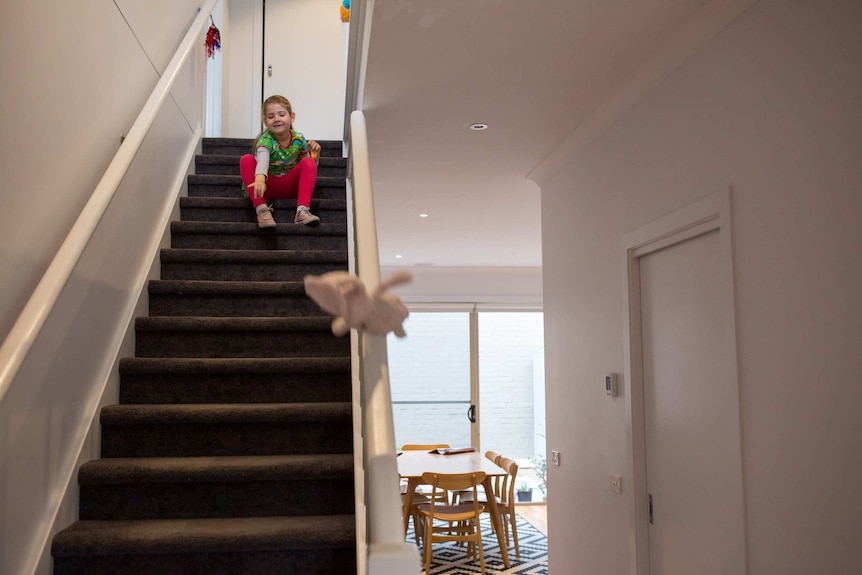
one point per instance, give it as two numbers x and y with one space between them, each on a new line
264 218
305 217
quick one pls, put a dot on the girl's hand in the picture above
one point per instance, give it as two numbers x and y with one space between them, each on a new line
259 186
314 149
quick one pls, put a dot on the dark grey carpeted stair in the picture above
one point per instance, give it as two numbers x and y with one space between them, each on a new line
231 449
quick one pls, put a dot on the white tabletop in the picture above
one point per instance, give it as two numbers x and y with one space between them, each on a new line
415 463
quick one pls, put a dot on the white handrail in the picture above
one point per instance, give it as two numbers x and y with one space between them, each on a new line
23 334
387 551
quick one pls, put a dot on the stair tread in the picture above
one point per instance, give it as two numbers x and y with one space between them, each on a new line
173 323
231 287
233 365
200 535
234 159
322 229
127 470
146 414
255 256
218 202
229 179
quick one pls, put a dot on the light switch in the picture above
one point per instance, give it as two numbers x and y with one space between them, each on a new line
616 484
555 458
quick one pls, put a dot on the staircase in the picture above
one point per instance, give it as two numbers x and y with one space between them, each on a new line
230 451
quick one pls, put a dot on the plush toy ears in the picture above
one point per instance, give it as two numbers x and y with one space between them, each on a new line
328 291
337 292
398 278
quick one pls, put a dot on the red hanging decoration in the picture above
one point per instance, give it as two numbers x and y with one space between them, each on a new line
213 41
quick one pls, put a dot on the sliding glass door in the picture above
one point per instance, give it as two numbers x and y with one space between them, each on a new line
511 383
430 375
488 365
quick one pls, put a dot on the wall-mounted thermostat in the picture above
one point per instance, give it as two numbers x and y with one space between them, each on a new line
611 384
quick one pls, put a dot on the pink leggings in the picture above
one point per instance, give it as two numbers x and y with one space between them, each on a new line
297 183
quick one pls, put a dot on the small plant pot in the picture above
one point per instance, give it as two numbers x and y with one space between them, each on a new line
525 495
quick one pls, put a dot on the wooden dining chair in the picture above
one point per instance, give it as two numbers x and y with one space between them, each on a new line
493 457
442 497
465 515
506 504
504 495
420 496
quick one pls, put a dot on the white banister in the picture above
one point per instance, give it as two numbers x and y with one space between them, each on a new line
26 328
388 553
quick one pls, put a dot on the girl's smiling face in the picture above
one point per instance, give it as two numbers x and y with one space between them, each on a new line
278 119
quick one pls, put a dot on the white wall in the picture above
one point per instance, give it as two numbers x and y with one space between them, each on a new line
74 79
489 285
68 96
305 46
770 107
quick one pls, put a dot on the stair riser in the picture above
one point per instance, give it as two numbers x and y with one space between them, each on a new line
218 438
284 212
210 499
234 388
334 169
305 561
231 189
258 240
239 344
239 271
186 305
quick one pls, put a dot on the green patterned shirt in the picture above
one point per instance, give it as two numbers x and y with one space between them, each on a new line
282 160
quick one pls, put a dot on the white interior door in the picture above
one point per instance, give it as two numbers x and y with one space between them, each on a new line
303 53
691 413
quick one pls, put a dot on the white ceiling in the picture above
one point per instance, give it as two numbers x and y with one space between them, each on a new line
533 70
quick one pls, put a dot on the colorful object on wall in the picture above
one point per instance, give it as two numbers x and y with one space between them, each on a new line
213 41
345 10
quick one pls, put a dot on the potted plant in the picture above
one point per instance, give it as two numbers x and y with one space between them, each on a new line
524 493
540 467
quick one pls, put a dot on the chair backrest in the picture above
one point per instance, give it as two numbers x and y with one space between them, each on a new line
507 489
492 456
423 447
453 482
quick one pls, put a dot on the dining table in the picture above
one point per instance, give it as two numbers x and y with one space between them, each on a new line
412 464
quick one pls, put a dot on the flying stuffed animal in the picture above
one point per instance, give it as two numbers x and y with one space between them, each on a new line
344 296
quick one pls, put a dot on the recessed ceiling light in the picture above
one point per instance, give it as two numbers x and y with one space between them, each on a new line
423 215
398 256
478 126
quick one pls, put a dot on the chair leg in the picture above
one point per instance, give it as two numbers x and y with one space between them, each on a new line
515 535
429 531
481 547
417 529
505 529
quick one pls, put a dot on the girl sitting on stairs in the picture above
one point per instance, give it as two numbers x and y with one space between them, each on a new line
284 164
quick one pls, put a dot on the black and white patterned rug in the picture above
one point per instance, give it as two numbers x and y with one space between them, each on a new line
450 559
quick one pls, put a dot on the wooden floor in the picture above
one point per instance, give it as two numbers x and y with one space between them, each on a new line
536 515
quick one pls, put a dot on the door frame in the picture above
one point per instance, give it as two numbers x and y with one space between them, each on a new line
706 215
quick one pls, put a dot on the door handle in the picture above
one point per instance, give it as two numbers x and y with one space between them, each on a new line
269 71
650 509
471 414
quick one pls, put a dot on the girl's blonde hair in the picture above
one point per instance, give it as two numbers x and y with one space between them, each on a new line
276 99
